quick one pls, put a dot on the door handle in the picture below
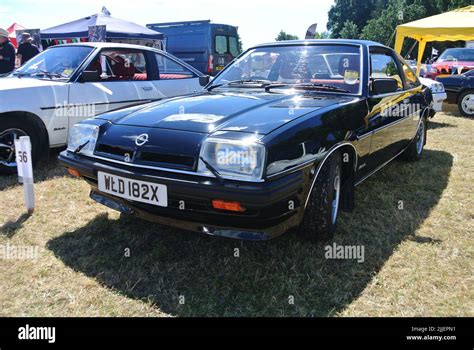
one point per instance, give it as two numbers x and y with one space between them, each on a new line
147 88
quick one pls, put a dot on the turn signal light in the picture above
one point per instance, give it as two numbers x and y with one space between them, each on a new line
74 172
230 206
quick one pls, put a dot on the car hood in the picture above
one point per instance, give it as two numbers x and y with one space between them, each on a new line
15 83
208 112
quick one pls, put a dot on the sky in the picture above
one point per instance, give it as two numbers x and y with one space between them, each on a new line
259 21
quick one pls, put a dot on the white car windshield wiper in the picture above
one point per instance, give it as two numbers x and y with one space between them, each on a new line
244 82
307 86
50 75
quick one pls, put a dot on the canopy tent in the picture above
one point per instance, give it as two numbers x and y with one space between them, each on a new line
12 32
449 26
116 29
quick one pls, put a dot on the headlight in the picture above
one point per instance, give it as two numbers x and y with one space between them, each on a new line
83 137
233 159
437 88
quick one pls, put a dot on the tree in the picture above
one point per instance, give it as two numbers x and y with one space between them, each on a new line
282 36
322 35
349 31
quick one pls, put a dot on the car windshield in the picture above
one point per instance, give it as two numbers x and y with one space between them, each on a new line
55 63
306 66
460 54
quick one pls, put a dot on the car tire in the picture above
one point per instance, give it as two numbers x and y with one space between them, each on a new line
414 152
466 96
321 213
18 125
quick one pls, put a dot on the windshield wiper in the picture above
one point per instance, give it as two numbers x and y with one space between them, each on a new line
50 75
307 86
260 82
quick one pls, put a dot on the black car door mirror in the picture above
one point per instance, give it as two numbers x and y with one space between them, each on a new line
89 76
384 86
204 80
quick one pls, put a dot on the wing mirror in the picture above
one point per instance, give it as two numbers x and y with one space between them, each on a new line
204 80
384 86
89 76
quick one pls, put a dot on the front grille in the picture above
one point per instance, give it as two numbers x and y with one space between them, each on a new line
167 160
114 151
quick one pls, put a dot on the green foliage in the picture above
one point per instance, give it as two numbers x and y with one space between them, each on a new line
282 36
349 31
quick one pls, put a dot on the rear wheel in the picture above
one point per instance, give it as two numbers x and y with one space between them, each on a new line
12 128
320 217
466 103
415 149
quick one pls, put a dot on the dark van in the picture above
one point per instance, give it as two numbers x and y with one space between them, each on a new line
206 46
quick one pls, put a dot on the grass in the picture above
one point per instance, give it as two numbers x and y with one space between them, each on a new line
418 261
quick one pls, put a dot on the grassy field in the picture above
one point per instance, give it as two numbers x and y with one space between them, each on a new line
418 260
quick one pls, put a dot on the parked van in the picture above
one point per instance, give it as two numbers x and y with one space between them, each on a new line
206 46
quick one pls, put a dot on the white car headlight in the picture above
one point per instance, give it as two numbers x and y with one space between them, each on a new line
233 159
82 138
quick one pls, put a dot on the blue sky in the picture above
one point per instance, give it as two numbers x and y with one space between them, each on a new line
258 20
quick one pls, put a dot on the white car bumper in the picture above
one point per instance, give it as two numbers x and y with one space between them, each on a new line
438 99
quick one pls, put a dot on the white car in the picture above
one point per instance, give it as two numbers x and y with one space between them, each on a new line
437 90
68 83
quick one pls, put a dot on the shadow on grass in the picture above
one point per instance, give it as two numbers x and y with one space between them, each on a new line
10 228
166 264
45 170
432 125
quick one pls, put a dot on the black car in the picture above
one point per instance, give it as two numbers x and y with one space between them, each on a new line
278 141
460 90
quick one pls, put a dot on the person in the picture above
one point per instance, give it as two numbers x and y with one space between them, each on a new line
7 53
26 50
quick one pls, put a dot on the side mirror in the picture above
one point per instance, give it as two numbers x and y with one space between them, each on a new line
384 85
204 80
89 76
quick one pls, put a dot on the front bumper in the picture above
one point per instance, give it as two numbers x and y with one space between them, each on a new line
272 207
438 99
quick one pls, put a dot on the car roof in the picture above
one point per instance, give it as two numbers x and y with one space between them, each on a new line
107 45
322 41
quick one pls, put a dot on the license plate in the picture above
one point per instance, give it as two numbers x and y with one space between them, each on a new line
135 190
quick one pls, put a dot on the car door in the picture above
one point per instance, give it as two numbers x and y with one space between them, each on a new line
392 116
174 78
121 77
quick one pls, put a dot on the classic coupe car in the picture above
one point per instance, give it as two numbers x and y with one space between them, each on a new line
68 83
460 90
278 141
452 61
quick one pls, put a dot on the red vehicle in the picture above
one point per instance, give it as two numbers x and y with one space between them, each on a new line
452 61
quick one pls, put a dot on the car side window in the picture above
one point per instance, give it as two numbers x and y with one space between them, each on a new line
411 81
170 69
120 65
383 65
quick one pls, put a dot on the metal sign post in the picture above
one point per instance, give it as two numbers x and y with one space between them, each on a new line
25 170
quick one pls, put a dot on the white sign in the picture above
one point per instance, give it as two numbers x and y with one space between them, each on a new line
25 170
470 44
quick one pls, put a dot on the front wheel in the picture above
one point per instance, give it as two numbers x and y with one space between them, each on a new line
10 130
466 103
322 210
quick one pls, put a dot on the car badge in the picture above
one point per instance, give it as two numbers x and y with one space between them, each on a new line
141 139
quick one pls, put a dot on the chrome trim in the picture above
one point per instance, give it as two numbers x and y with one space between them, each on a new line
167 169
320 165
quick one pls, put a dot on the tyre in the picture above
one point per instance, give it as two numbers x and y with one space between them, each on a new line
466 103
321 213
11 128
415 150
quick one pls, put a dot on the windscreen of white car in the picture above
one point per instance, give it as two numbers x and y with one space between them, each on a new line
55 63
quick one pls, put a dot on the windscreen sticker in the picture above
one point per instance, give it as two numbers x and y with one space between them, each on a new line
67 71
351 77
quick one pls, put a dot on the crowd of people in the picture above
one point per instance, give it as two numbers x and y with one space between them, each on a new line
8 54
